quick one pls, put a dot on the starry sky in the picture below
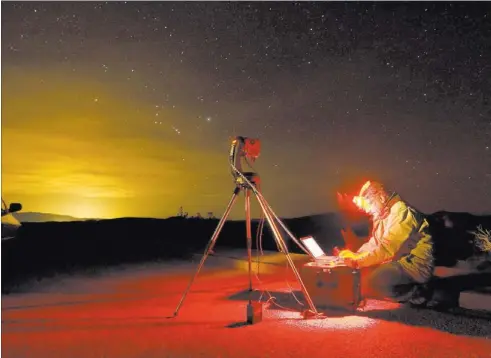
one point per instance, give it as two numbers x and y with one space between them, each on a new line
114 109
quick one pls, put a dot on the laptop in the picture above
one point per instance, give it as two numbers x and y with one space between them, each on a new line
317 253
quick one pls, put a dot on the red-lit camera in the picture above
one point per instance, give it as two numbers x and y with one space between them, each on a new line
252 147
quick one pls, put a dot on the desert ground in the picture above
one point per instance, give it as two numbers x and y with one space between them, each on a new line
128 312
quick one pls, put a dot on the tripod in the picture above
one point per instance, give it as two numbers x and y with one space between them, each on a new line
248 182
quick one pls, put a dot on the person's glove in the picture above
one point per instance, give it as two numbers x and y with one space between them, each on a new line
344 254
350 258
352 261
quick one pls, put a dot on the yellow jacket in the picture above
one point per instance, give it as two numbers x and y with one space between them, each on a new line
401 236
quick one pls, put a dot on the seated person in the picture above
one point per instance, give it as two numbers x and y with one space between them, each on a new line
399 251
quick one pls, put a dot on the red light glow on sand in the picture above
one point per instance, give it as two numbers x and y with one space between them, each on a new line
126 314
329 323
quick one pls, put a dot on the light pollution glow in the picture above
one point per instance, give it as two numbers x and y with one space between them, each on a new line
74 147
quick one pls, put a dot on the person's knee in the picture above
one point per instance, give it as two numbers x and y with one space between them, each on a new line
382 277
384 282
380 284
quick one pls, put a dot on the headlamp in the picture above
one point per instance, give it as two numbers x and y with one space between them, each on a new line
362 203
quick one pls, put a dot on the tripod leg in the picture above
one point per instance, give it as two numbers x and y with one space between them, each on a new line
249 236
282 245
299 244
209 246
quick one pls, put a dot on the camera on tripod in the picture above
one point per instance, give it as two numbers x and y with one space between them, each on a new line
248 149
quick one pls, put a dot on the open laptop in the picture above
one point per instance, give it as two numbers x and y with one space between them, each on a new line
317 253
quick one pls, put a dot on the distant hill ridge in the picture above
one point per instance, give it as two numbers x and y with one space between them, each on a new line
49 217
29 216
44 217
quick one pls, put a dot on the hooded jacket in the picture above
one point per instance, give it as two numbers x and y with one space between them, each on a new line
401 235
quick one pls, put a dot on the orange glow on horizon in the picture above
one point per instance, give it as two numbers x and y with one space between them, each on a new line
75 147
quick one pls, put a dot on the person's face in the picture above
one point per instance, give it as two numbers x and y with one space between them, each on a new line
375 205
372 205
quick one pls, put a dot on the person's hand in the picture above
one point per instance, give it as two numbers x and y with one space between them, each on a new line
350 258
344 254
351 261
351 240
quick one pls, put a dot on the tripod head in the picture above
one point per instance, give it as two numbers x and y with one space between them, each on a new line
243 148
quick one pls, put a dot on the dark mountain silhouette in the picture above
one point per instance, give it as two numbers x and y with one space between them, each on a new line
453 234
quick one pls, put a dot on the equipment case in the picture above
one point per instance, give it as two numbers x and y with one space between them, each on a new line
329 286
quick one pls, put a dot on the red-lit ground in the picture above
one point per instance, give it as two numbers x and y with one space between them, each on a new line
122 313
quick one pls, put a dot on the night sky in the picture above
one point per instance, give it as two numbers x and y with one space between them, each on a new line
127 109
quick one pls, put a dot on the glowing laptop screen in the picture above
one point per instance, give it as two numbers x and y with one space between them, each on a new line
313 247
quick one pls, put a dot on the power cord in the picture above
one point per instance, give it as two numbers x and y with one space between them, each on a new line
259 249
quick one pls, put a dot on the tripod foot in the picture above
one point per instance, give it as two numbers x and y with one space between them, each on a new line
309 314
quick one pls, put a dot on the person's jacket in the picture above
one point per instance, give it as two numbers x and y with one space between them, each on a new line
401 235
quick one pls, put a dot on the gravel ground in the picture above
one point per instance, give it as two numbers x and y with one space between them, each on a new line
127 312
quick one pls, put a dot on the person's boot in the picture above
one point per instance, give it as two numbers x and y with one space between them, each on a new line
420 296
485 263
444 300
